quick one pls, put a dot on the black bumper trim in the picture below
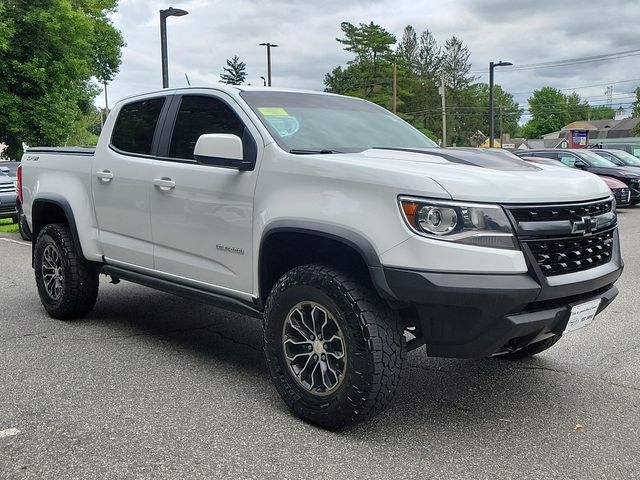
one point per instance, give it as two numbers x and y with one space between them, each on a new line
471 315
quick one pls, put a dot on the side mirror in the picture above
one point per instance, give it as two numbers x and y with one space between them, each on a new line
580 164
221 150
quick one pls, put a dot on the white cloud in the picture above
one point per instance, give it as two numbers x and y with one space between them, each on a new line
521 32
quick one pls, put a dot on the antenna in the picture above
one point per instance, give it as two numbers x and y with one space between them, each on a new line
187 77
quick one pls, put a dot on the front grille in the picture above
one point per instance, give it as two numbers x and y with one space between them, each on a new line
560 212
7 188
558 256
561 239
621 195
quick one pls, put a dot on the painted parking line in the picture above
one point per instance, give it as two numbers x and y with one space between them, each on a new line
9 432
10 240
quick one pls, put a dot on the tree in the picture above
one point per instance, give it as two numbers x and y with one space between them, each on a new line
369 74
465 117
49 51
578 109
504 106
549 112
235 72
635 112
455 65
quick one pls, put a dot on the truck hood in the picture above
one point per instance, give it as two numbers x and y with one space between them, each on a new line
486 176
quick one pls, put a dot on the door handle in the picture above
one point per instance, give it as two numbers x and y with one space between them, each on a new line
164 184
105 176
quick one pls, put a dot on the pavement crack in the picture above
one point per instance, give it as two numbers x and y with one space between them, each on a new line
547 369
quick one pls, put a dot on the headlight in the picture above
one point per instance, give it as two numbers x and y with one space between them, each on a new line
470 223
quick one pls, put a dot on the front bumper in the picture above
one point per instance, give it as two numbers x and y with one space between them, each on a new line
8 206
472 315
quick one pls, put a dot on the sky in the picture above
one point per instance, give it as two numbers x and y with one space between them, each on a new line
522 32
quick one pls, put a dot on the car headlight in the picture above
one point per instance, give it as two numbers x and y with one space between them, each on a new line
470 223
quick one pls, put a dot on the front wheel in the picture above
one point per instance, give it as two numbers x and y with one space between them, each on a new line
334 349
67 284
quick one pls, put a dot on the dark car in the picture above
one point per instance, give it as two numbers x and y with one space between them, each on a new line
620 190
589 161
632 148
619 158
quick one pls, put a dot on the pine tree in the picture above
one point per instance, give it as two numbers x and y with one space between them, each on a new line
234 72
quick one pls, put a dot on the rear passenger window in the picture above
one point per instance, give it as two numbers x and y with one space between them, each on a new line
199 115
136 125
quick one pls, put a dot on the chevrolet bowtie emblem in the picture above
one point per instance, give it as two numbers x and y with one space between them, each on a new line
585 225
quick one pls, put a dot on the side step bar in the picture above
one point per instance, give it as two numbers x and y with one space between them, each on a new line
204 296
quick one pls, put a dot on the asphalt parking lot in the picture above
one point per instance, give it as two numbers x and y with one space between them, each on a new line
152 386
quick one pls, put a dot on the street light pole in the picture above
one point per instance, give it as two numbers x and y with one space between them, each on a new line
169 12
264 81
492 66
269 46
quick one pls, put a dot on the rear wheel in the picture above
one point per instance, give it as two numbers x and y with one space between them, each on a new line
532 349
334 349
67 284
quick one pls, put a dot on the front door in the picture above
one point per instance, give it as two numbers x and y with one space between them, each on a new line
122 183
202 216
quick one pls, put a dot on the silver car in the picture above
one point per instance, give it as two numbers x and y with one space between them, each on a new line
8 195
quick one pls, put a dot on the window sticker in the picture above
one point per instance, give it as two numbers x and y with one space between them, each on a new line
272 111
280 120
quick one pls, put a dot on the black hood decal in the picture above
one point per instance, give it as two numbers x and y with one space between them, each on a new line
492 159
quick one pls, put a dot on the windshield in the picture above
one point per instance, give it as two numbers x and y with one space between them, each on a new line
627 158
594 159
308 122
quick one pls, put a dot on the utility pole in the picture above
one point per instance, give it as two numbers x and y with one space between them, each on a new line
444 112
395 87
168 12
501 138
269 47
106 99
492 66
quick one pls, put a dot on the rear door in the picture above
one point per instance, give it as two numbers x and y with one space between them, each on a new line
122 176
202 216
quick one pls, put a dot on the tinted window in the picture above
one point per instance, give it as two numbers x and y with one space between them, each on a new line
197 116
136 125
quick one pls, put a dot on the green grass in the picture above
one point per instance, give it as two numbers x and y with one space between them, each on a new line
7 225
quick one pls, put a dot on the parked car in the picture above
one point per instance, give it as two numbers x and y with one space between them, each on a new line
591 162
620 190
349 233
632 148
8 196
619 158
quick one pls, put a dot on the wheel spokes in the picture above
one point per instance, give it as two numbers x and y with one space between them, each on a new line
314 348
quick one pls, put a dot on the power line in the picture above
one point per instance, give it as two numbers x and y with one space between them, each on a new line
569 61
586 86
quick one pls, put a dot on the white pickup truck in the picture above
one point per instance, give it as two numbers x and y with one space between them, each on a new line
349 232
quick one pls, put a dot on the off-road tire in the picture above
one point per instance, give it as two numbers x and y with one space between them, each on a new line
532 349
80 279
23 226
374 341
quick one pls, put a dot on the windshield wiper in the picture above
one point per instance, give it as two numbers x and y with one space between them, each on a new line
324 151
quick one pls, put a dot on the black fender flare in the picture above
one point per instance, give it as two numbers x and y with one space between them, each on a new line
58 200
355 240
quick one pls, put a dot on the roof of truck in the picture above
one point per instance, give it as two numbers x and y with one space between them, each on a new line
231 89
